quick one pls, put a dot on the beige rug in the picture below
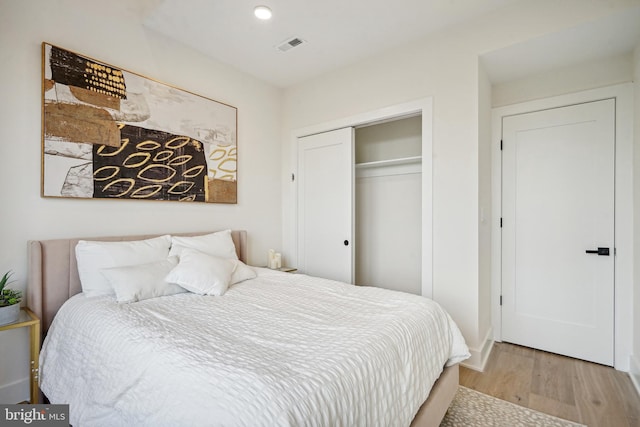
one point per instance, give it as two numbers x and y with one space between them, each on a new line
472 408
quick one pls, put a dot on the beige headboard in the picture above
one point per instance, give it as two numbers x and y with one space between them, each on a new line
53 271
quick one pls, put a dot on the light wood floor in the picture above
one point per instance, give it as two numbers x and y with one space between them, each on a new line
568 388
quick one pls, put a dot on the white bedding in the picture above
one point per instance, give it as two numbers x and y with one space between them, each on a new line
278 350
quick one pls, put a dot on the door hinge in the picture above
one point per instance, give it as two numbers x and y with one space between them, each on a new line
500 145
500 222
293 177
500 299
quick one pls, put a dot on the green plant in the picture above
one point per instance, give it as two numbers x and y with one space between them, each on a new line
8 296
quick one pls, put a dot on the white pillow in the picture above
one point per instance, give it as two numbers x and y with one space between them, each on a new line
241 272
139 282
93 256
201 273
219 244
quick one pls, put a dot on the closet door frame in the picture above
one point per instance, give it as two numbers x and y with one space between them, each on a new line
423 107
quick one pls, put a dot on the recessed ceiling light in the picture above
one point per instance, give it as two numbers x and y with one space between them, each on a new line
262 12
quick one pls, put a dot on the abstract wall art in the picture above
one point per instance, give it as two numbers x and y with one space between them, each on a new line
109 133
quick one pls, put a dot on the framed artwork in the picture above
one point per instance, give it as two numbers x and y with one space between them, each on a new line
108 133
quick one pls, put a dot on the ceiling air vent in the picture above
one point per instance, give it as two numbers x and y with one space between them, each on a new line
290 44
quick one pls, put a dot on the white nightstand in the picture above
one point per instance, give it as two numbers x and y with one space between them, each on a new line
283 269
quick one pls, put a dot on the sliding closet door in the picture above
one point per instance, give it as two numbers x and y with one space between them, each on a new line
325 205
389 227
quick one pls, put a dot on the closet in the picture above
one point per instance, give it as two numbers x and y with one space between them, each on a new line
388 214
359 204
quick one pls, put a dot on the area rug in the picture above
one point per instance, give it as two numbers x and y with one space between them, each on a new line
471 408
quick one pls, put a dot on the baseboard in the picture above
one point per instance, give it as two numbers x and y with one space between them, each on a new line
17 391
634 372
479 357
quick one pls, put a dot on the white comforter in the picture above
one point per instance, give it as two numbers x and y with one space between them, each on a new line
279 350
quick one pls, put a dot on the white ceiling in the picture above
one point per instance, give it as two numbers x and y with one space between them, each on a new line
614 35
339 32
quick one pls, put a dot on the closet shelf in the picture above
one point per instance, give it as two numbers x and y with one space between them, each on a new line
390 162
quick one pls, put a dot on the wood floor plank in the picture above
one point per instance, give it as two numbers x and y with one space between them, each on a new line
568 388
553 407
510 373
596 396
513 381
553 377
624 387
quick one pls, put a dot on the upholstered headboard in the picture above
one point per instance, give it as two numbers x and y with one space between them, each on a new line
53 272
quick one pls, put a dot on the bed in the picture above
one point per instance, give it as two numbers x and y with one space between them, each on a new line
275 349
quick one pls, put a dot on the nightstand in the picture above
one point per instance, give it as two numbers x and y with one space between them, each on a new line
29 319
283 269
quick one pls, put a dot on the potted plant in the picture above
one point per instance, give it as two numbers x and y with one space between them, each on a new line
9 301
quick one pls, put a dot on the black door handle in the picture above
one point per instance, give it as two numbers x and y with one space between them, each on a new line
599 251
346 243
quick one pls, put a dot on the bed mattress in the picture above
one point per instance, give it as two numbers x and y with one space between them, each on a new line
278 350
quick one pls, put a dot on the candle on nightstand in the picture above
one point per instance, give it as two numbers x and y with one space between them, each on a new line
278 260
271 259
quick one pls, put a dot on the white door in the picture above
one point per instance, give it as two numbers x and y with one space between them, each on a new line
558 213
325 205
388 227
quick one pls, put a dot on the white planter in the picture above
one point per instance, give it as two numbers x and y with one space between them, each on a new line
9 314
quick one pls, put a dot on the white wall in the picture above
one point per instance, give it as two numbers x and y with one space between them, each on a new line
485 216
635 359
575 78
112 32
444 66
